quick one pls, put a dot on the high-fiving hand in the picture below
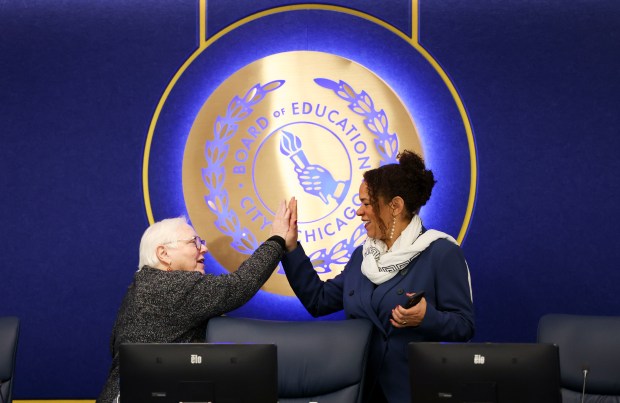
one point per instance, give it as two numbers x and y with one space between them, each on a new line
281 221
293 231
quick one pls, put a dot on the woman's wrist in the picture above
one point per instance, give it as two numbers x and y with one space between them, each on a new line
292 247
279 240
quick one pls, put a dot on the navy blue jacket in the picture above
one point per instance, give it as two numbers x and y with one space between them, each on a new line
441 271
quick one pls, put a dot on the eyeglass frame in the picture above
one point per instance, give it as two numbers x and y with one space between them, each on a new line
198 242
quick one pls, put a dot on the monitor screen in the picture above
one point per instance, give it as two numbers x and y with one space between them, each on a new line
484 373
198 373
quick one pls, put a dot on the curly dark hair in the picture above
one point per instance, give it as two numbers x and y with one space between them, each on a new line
408 179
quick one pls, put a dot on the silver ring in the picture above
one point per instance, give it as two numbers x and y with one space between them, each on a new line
404 322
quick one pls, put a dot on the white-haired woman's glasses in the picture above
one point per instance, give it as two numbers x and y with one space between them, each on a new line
198 241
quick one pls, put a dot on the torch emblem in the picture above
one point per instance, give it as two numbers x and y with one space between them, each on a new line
314 179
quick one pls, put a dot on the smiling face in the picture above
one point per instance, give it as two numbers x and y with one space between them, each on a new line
375 224
184 255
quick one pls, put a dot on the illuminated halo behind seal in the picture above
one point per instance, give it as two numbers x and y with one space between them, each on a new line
304 124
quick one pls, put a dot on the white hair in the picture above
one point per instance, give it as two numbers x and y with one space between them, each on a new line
162 232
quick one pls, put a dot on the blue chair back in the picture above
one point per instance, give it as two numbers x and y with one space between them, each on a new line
585 342
323 361
9 333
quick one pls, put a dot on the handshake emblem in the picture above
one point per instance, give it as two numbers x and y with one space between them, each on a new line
314 179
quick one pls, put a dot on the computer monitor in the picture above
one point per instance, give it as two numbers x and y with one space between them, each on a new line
484 373
198 373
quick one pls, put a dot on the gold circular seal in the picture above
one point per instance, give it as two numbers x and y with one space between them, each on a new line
304 124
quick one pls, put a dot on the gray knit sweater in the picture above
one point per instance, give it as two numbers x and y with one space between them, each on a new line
174 307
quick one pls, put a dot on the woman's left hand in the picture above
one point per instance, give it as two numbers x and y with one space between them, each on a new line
413 316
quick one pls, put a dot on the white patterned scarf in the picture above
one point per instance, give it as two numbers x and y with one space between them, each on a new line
380 264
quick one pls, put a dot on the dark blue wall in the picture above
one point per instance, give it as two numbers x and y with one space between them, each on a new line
80 82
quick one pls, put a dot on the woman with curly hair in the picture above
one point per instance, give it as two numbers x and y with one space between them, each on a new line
399 259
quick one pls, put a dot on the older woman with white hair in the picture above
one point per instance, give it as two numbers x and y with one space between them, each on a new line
171 299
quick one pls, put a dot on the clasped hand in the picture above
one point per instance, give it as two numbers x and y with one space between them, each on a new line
413 316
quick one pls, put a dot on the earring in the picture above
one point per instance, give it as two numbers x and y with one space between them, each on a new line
169 268
393 227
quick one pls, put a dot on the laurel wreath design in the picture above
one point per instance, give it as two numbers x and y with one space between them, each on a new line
386 143
216 152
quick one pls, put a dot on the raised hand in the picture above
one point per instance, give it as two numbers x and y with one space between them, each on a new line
281 221
291 236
